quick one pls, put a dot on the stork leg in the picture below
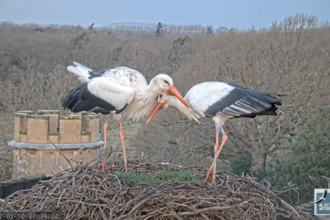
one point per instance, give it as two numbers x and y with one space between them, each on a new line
104 163
212 170
216 146
122 137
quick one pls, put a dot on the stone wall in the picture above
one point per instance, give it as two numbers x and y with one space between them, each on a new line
46 126
77 137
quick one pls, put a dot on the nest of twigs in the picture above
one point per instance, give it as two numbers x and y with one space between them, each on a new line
88 192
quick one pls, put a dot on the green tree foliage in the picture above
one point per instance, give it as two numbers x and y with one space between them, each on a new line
241 164
310 159
209 31
159 29
80 41
179 52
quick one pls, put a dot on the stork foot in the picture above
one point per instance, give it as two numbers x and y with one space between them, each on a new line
209 174
104 167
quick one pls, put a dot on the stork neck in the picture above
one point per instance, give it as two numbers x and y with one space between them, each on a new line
144 101
153 86
151 92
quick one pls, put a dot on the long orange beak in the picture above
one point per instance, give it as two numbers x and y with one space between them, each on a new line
176 93
154 111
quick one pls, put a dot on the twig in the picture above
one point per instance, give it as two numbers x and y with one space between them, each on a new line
62 154
86 191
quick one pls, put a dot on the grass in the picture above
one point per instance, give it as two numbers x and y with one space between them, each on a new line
158 177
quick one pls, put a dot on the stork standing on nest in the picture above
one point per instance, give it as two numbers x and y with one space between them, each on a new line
112 91
221 101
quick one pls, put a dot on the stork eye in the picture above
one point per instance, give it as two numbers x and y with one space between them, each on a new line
166 82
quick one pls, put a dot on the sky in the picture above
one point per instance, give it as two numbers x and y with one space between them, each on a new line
231 13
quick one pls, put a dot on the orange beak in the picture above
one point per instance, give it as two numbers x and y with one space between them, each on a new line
157 106
176 93
154 111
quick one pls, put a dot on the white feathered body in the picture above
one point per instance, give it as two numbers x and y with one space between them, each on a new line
119 86
221 101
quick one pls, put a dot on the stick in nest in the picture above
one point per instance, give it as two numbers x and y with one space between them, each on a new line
87 191
62 154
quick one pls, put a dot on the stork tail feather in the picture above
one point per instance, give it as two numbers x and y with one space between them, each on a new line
81 71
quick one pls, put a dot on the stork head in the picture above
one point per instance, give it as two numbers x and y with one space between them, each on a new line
165 84
164 100
162 103
164 81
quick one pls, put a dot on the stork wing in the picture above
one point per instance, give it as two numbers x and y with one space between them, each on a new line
111 91
238 103
323 196
320 200
126 76
222 98
325 193
101 94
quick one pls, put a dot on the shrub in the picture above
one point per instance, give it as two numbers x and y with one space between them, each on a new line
309 161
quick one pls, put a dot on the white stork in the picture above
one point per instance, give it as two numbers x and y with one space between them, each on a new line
323 196
221 101
111 91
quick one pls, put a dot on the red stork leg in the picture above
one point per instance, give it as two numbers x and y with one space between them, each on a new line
212 170
104 163
122 137
216 146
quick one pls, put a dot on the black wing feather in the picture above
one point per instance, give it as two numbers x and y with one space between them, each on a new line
94 74
240 99
81 99
323 196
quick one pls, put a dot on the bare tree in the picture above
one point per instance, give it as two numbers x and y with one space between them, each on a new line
289 59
